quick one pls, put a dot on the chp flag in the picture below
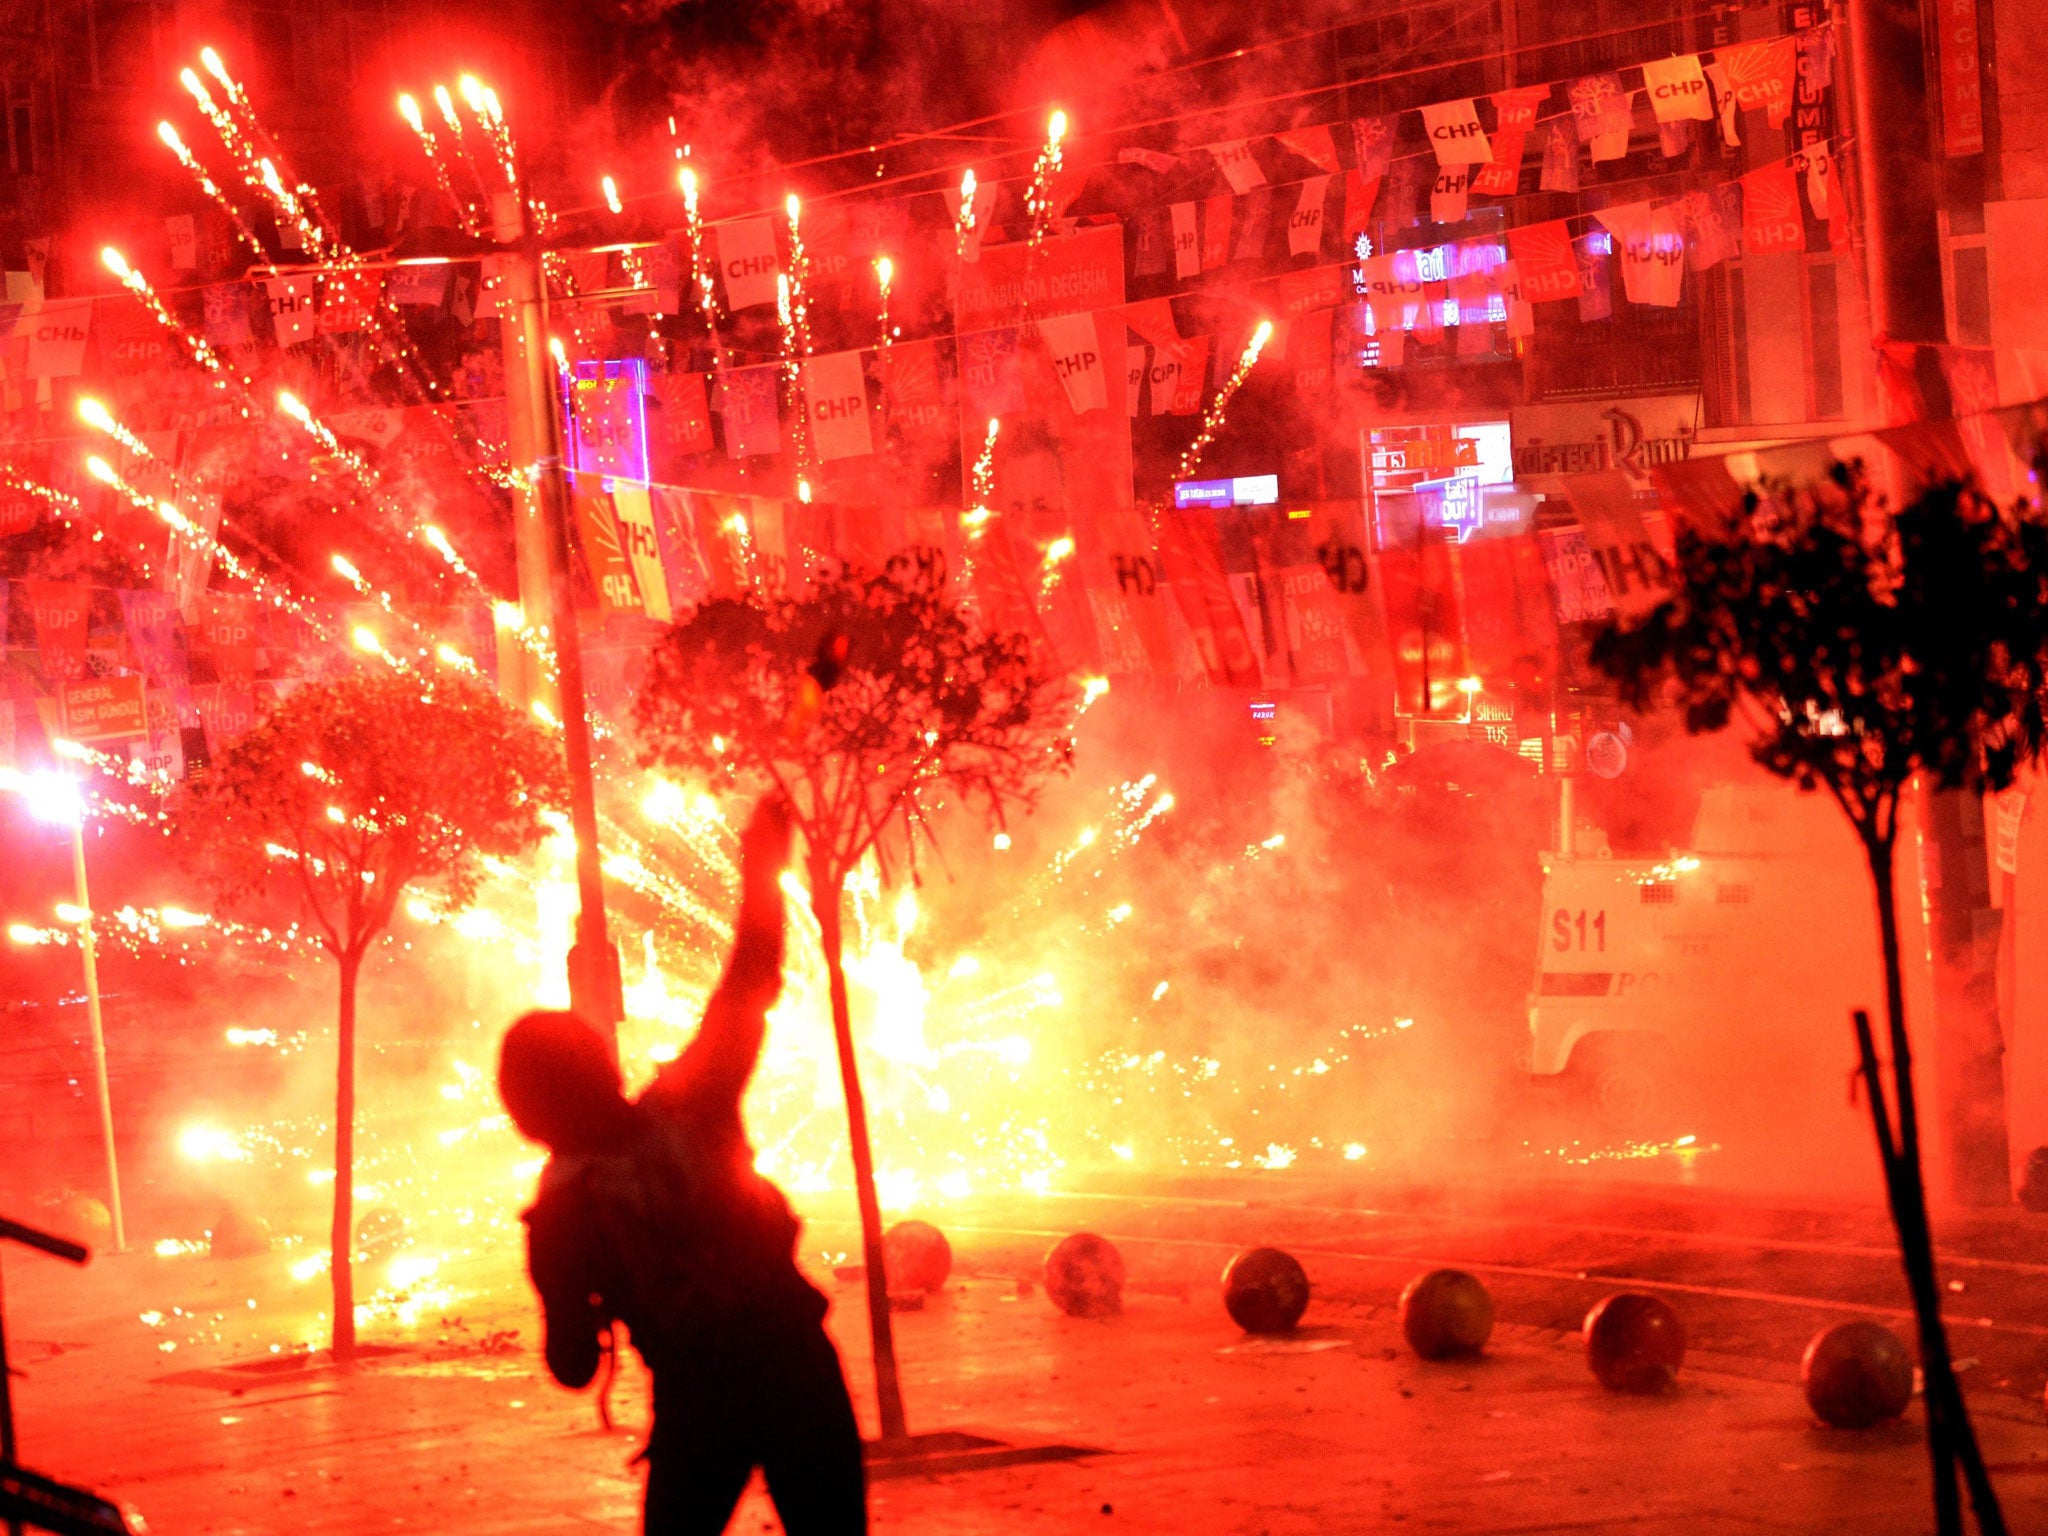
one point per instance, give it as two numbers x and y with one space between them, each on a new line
1455 134
836 405
747 262
1077 358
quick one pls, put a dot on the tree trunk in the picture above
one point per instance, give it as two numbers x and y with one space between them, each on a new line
825 899
341 1237
1951 1441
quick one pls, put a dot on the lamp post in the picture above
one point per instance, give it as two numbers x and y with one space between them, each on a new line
54 798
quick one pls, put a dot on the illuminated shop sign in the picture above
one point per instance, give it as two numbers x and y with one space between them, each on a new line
1244 491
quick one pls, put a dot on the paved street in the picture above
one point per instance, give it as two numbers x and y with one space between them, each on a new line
1192 1425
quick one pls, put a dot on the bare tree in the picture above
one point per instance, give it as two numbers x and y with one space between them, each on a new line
354 791
866 703
1861 649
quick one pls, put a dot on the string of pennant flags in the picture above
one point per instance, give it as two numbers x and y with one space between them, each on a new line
1253 598
1190 237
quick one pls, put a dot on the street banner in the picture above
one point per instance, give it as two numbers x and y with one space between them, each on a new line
634 509
1578 590
56 335
346 302
225 714
133 342
1601 108
746 405
836 400
227 623
183 239
1544 261
1677 89
1515 110
1447 194
1514 120
1177 375
97 709
1128 594
1313 144
991 378
1078 358
1425 632
1235 161
188 562
1193 560
678 422
1060 276
60 610
1455 134
1711 236
418 285
1762 75
1216 231
1305 226
1372 140
747 262
1636 570
292 316
1771 219
1651 250
604 556
921 426
1360 193
156 635
685 565
1560 161
1187 241
1257 219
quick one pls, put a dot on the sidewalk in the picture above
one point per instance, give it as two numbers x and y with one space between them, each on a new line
1200 1429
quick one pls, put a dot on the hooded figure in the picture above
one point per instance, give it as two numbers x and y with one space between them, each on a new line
650 1214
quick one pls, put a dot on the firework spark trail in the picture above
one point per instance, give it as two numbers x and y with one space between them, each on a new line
212 189
1212 419
460 140
1038 202
885 273
963 221
409 109
201 350
700 267
483 102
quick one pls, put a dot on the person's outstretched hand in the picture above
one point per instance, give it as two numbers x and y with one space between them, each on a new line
765 844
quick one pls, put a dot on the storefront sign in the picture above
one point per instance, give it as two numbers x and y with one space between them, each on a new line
1629 435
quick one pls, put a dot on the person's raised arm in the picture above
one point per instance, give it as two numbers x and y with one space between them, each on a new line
718 1062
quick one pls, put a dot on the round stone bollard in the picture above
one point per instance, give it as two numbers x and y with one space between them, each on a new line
82 1218
1446 1313
1856 1374
235 1234
1265 1291
1634 1343
916 1256
1084 1276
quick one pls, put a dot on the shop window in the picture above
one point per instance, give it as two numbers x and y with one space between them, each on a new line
1970 292
1823 340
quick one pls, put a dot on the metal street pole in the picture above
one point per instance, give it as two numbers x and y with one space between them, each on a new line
596 989
99 1038
1896 175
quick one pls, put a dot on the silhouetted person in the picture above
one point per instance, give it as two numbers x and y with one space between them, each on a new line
651 1214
